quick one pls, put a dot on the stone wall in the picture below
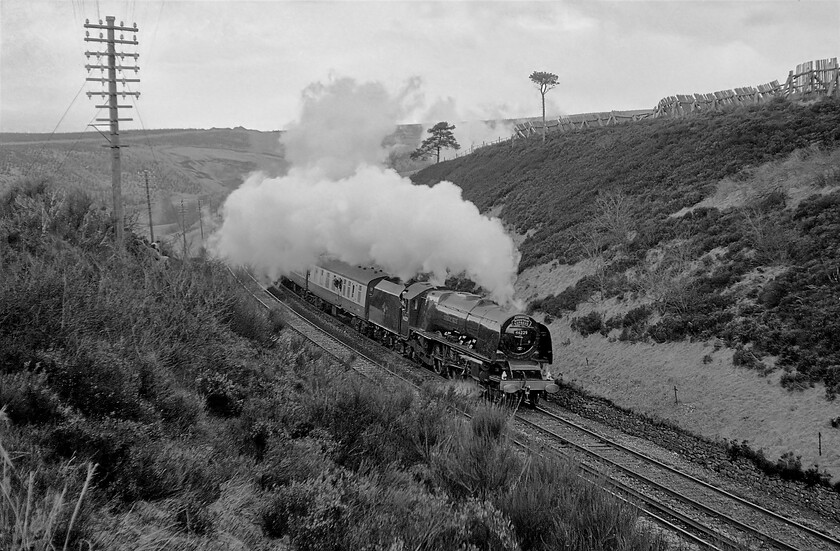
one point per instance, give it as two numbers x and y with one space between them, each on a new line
702 451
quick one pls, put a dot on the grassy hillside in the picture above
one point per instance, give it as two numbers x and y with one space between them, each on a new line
612 193
181 164
664 165
149 404
721 229
188 165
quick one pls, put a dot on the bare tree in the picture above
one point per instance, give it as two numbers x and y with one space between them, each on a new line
667 279
590 241
770 240
615 217
545 82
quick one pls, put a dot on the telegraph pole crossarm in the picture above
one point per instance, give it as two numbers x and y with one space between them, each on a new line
110 55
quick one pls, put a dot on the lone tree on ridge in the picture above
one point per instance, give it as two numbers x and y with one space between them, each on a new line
441 138
545 82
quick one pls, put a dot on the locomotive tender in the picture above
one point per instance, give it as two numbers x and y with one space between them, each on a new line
451 332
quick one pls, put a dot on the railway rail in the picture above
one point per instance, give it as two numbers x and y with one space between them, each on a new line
741 522
701 513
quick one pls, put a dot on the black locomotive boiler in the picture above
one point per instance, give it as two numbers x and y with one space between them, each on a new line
451 332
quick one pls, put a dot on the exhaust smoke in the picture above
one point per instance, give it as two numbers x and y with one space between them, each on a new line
338 200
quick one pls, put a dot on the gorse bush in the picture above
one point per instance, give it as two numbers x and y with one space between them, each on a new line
592 322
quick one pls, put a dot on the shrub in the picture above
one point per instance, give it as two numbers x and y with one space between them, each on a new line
248 319
158 470
670 328
179 408
551 508
98 380
109 443
27 399
295 461
588 324
314 513
356 416
475 461
221 396
744 358
476 525
637 316
795 381
812 476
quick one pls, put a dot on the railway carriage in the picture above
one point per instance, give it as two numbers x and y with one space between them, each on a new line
451 332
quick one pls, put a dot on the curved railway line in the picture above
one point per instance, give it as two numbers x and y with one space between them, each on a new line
702 514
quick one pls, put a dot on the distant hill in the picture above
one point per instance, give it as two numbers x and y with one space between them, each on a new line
183 164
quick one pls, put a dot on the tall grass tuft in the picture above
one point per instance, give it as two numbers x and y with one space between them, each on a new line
476 461
551 507
35 521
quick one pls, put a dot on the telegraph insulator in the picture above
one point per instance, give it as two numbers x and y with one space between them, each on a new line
87 33
87 21
100 21
122 24
122 37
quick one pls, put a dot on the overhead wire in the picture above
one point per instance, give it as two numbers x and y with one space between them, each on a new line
44 144
75 143
76 14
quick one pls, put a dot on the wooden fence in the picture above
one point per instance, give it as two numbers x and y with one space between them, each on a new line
531 127
812 78
809 79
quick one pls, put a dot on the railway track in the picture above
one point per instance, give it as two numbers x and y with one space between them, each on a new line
739 522
327 335
701 513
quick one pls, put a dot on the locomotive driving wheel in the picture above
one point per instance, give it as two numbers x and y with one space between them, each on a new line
437 361
459 372
438 367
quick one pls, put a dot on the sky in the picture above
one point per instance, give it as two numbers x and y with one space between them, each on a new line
227 63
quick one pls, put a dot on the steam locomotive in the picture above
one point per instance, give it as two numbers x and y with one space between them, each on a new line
453 333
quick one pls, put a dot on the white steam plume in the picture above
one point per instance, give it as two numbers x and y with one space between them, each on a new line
336 201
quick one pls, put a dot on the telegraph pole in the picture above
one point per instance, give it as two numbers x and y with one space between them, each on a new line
184 226
149 207
200 221
113 107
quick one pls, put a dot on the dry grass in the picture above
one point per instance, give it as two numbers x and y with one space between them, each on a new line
716 400
802 174
30 521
